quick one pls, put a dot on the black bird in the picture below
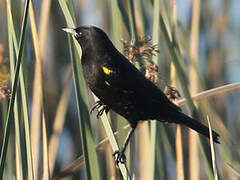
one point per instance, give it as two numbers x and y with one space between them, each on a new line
123 89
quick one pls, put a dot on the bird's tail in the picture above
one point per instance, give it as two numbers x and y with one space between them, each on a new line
181 118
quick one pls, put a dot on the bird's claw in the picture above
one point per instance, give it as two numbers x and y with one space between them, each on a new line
119 157
100 112
96 105
101 107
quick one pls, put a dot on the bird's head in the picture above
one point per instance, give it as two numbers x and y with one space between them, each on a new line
86 35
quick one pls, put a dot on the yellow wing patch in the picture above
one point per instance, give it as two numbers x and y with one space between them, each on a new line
106 70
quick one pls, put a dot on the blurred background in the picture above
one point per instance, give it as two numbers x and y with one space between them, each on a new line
49 124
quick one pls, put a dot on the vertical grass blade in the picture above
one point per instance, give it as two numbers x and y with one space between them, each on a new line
116 25
18 149
59 120
9 121
43 25
176 59
178 141
144 150
156 28
193 78
124 15
132 22
179 154
45 173
212 152
88 146
24 107
113 142
116 29
38 107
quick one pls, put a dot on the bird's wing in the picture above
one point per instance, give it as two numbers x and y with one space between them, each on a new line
124 76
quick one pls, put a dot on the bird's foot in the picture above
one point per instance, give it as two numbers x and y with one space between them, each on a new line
101 108
96 105
101 111
119 156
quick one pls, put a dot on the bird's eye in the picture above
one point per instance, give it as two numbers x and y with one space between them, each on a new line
78 35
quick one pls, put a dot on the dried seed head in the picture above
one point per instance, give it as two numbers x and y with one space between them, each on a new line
142 48
4 93
4 76
130 50
147 49
172 93
151 72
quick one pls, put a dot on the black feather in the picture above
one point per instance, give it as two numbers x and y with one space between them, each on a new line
122 88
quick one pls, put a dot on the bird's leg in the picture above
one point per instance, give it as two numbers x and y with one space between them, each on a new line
99 104
119 154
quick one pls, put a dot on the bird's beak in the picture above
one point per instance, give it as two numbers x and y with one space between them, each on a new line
70 31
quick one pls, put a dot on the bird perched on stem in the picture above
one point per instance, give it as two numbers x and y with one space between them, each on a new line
122 88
